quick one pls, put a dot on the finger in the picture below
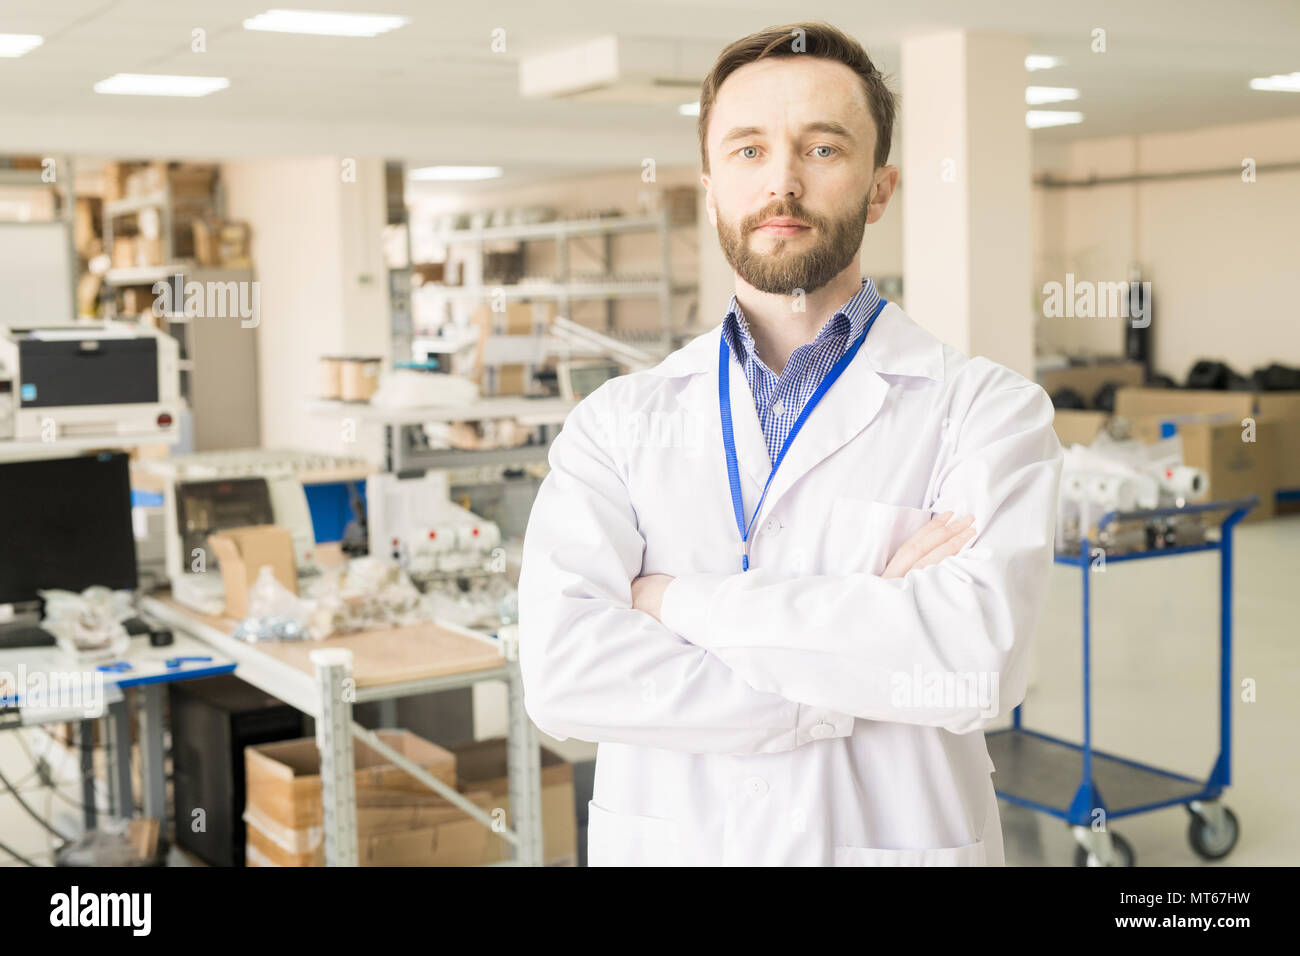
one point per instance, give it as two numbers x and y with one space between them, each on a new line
928 537
934 525
945 550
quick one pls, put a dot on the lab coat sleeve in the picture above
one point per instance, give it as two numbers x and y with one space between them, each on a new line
597 669
942 646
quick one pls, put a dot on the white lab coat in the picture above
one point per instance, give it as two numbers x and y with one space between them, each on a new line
793 714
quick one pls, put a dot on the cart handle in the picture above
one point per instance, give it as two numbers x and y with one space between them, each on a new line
1235 505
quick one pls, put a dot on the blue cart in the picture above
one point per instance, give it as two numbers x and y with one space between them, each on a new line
1087 788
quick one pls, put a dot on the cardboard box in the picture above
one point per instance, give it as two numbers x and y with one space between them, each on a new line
234 245
511 346
481 765
206 252
1286 463
1283 410
191 182
282 779
400 822
84 233
1139 402
1277 404
124 252
1078 427
242 552
138 300
148 252
453 840
113 179
1088 379
1236 468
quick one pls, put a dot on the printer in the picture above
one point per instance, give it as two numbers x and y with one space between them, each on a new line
209 492
89 380
212 491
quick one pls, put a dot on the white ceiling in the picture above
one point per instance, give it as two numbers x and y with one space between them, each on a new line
434 91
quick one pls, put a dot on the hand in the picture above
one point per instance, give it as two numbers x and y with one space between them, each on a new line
648 593
936 541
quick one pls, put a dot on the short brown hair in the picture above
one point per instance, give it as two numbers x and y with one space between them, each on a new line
820 40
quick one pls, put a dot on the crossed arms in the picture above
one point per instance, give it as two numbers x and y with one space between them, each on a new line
765 661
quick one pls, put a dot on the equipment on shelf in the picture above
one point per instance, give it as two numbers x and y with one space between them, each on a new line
414 522
89 381
214 491
452 555
1111 476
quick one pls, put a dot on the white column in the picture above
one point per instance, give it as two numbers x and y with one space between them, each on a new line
967 273
318 253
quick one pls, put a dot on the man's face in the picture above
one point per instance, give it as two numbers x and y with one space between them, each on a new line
792 140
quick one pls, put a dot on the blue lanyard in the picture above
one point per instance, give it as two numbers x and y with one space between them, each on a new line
729 439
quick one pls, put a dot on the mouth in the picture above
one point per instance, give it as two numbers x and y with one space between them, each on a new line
783 226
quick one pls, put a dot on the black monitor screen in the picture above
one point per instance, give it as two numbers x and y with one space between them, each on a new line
65 523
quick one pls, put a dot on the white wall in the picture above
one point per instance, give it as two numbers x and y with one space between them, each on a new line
1223 255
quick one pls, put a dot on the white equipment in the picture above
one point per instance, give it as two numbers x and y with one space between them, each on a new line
87 381
1115 475
414 522
213 491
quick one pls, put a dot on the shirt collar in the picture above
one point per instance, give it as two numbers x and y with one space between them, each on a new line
856 311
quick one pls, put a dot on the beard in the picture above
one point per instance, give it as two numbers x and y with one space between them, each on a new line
782 271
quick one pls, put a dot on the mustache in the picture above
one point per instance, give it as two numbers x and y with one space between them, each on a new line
791 211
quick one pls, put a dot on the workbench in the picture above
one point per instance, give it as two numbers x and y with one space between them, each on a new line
325 678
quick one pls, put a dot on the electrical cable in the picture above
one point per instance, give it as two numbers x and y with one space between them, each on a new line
4 847
30 812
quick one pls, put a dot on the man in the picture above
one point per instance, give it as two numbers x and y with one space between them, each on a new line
792 665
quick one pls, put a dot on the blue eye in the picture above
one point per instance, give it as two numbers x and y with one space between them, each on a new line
747 149
815 148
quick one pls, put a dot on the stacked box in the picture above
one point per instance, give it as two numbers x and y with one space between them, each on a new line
400 821
481 766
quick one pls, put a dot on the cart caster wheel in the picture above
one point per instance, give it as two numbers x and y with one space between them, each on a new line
1123 853
1211 842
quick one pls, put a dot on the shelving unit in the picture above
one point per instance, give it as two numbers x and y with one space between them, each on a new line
565 289
406 451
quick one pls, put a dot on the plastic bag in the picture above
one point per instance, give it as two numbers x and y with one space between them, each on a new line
274 612
363 594
88 624
269 598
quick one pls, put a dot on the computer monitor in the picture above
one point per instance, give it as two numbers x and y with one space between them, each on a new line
65 523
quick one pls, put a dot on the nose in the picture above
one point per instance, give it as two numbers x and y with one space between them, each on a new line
786 176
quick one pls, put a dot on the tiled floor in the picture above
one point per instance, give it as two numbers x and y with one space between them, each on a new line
1155 665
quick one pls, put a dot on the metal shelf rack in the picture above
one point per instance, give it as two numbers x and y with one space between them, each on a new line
565 289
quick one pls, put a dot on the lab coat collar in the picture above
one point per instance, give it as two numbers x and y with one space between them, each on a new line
895 346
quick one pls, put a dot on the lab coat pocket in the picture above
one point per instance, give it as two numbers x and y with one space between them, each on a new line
623 839
863 535
972 854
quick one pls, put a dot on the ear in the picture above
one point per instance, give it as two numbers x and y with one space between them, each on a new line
709 204
885 182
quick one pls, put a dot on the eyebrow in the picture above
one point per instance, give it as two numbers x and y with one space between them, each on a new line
829 127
